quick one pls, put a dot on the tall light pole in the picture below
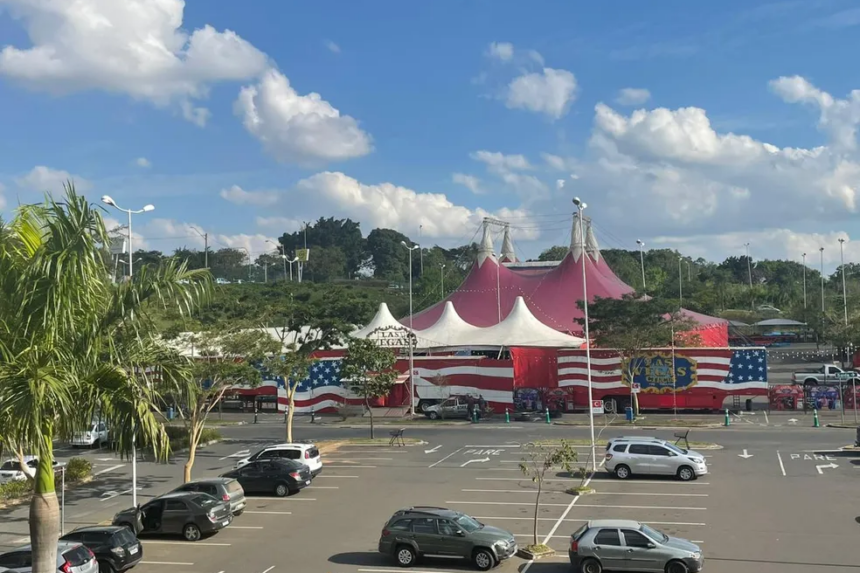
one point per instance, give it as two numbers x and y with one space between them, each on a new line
749 274
420 251
411 334
844 292
642 260
821 251
205 245
680 284
498 285
107 200
248 254
803 256
581 205
442 278
283 256
294 260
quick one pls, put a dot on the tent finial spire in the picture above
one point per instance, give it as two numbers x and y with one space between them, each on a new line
508 254
591 246
576 240
485 251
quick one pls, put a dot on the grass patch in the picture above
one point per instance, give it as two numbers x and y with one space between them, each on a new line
536 551
78 470
178 436
580 490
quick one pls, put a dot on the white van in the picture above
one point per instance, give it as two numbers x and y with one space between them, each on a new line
308 454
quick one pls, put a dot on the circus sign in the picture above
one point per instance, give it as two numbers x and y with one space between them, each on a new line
392 336
652 372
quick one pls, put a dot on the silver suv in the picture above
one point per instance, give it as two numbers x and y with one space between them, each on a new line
622 545
648 456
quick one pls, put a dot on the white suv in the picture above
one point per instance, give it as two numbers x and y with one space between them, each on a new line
308 454
652 457
95 435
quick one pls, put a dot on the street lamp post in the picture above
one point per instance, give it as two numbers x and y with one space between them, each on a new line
283 256
642 261
680 284
442 279
821 251
581 205
844 292
749 274
803 256
205 246
108 200
411 334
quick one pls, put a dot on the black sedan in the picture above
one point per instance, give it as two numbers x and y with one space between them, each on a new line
116 548
188 514
279 476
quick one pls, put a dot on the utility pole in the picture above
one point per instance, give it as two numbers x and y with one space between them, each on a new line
680 284
804 281
844 292
642 261
749 273
821 251
442 278
420 252
205 246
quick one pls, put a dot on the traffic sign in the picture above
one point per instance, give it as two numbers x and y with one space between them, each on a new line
597 406
636 388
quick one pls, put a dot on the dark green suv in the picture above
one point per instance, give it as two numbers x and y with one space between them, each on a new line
439 532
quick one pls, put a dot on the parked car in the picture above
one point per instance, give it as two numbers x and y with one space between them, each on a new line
453 407
72 557
275 476
649 457
116 548
308 454
824 374
610 544
11 469
439 532
191 515
95 435
227 490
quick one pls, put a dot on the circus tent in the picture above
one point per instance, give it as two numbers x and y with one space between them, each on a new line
491 290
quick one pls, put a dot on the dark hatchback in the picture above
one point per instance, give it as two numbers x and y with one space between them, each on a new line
276 476
116 548
227 490
188 514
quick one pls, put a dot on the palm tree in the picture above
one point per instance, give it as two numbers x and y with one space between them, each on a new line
73 343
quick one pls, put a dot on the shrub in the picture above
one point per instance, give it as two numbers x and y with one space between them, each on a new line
178 436
77 469
15 490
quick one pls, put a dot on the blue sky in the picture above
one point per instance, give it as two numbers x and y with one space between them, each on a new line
738 124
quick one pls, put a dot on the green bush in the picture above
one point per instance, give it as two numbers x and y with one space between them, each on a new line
77 469
15 490
178 436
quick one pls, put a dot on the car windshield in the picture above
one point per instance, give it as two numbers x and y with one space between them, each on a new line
10 466
675 449
654 534
468 524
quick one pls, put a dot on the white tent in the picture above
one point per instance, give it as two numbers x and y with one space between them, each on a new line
383 319
521 328
449 330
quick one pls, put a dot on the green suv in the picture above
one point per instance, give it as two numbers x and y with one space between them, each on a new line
439 532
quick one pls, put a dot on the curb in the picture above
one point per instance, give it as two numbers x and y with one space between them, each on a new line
840 426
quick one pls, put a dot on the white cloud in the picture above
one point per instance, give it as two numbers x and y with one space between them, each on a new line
503 51
332 47
143 162
470 182
501 163
137 48
549 92
2 198
239 196
838 118
44 179
166 235
390 206
632 96
282 224
298 129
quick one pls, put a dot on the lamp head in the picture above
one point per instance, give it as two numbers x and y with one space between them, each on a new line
108 200
148 208
404 244
821 249
578 202
638 242
841 240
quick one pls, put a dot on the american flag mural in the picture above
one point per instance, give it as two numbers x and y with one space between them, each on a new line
439 378
706 368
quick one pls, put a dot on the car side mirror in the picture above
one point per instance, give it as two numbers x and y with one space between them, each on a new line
673 455
459 533
651 546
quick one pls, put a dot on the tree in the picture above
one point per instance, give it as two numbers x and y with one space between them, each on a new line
555 253
389 259
292 366
326 265
369 370
631 325
229 264
536 462
224 360
72 343
342 233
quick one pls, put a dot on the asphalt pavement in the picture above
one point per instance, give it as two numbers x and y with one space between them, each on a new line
778 498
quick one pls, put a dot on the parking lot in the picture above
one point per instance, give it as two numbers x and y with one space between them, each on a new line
764 507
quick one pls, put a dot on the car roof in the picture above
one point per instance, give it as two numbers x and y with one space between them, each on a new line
221 480
618 523
61 546
109 528
440 511
174 494
637 439
291 446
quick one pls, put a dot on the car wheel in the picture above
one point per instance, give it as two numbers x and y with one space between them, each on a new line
483 560
591 566
191 532
405 556
686 473
281 490
677 567
622 471
434 415
105 567
239 512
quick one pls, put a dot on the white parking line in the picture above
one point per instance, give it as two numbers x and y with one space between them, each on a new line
446 457
656 482
496 447
529 504
185 543
679 508
269 569
580 520
166 563
595 493
110 469
348 467
283 498
331 476
394 570
322 487
231 526
781 465
269 512
339 461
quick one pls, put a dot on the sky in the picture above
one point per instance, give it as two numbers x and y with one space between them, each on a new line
699 127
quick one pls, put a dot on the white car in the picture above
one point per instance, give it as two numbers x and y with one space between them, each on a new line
95 435
308 454
11 469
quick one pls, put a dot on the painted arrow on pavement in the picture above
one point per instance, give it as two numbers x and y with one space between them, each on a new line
831 466
745 455
472 461
792 421
433 450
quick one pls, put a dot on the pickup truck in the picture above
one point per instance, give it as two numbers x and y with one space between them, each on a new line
825 374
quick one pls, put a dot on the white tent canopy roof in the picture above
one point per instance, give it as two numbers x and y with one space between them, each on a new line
449 330
521 328
383 319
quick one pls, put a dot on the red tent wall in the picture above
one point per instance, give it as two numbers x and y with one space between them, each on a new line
535 367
